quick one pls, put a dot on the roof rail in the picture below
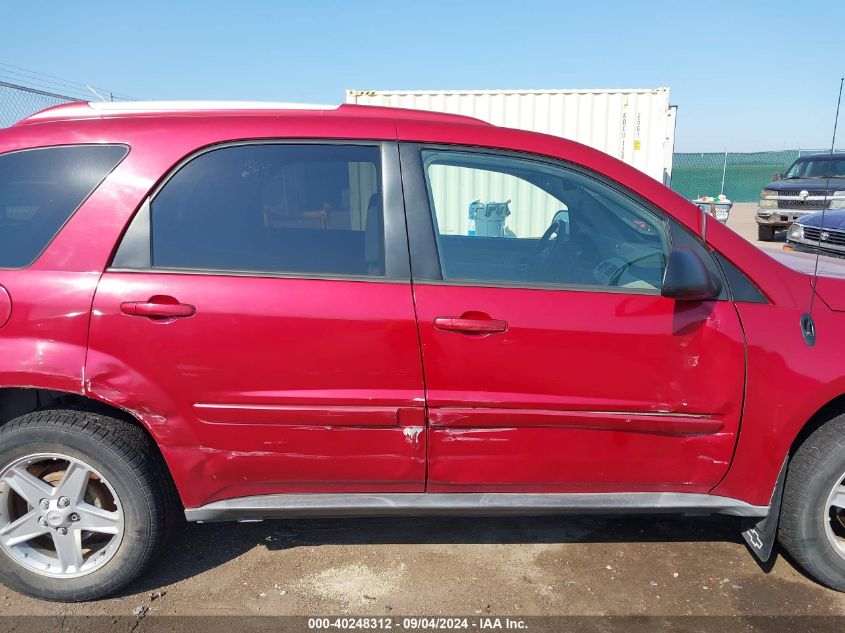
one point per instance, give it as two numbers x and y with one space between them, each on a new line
193 106
97 109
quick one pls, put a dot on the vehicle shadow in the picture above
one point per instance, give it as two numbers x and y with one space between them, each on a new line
196 548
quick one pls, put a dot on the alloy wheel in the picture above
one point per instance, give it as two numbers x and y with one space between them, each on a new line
59 516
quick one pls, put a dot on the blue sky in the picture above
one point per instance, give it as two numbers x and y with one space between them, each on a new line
745 75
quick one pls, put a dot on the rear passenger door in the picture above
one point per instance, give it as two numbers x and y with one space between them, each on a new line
259 311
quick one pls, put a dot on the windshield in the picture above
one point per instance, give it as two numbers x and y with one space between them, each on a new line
817 167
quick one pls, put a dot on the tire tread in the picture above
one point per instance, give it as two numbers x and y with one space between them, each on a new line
823 445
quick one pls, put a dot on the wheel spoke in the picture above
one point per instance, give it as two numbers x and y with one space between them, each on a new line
94 519
69 550
74 482
22 530
28 486
838 499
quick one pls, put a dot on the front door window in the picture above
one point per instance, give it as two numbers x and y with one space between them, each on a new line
524 222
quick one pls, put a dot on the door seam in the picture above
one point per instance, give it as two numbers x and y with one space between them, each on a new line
427 426
741 420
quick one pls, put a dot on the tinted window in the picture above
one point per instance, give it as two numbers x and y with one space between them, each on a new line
742 288
40 189
515 220
273 208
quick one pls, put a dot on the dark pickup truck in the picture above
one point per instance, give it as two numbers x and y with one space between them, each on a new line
811 184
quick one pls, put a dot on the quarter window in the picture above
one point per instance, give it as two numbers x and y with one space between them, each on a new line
40 189
519 221
283 208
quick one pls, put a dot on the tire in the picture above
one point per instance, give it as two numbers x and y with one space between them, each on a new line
126 477
816 468
765 233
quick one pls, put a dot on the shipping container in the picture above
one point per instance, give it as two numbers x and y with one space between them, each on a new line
636 126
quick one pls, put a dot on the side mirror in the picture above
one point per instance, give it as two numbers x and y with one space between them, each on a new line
687 278
777 176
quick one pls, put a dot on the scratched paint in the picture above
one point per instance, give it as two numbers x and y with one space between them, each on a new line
413 433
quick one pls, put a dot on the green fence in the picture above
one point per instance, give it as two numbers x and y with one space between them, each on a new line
745 174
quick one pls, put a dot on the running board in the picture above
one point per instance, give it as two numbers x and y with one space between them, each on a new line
451 504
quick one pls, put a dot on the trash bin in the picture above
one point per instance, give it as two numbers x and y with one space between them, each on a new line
487 219
719 207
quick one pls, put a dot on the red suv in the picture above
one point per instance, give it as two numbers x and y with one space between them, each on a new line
260 312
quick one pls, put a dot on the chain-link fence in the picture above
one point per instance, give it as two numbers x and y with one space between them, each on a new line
740 176
18 102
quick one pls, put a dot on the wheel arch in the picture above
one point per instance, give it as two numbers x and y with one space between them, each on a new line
18 401
823 415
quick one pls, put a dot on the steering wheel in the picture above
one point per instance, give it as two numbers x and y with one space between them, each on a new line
614 280
554 228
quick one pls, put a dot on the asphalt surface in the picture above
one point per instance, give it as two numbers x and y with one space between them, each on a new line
609 565
742 221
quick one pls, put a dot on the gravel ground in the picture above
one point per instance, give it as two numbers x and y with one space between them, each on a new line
521 566
402 566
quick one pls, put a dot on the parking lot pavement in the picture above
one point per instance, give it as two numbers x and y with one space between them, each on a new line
612 565
644 565
742 221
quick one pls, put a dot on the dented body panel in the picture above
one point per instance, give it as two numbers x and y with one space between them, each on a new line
585 389
273 385
44 337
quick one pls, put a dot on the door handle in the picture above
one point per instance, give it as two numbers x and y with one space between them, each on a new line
160 306
471 325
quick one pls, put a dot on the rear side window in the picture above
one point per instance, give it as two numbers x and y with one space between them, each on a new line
278 208
40 189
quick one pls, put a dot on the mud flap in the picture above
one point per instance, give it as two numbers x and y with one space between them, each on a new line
760 534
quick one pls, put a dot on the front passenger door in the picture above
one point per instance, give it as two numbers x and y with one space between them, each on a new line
552 362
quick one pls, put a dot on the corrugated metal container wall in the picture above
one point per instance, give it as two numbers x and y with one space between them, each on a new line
636 126
453 189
